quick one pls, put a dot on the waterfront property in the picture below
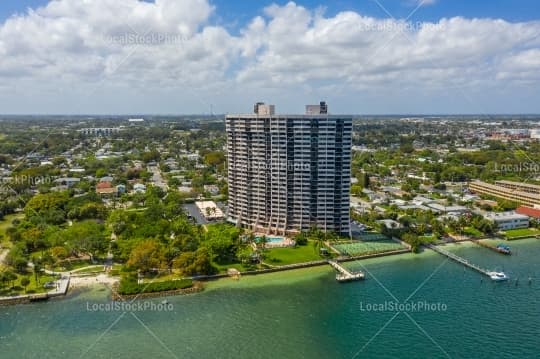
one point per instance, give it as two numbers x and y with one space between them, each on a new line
289 173
285 321
508 220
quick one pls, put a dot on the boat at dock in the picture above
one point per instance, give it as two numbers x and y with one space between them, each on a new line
498 276
504 249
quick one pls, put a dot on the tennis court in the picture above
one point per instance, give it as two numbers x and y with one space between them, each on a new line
367 236
369 243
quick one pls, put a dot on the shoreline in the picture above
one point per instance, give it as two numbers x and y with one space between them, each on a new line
81 284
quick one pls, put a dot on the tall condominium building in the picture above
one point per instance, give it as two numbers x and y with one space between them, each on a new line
289 173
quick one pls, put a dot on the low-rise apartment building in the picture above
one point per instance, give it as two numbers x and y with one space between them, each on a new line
522 193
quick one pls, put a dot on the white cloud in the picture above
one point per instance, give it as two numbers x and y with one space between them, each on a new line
170 50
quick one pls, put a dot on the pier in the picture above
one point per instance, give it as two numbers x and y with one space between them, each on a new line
458 259
500 250
344 275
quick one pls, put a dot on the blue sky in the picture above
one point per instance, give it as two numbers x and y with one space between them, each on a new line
511 10
73 57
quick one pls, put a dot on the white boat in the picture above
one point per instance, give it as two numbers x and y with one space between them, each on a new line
498 276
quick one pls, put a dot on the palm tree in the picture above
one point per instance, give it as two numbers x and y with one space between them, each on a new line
37 269
24 282
319 237
262 241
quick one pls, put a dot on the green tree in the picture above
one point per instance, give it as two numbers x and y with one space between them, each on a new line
146 256
10 277
25 282
413 240
86 237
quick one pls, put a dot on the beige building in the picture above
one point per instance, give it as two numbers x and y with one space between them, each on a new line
518 192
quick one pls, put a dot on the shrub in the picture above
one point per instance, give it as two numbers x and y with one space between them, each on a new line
128 285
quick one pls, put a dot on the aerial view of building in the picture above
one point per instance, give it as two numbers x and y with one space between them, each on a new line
288 173
508 220
153 206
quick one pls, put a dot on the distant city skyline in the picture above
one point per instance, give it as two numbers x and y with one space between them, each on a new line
202 56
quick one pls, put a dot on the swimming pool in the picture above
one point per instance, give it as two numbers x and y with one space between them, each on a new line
270 239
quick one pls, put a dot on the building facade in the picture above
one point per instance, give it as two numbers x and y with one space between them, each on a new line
508 220
289 173
521 193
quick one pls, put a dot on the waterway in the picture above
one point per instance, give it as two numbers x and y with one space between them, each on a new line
409 306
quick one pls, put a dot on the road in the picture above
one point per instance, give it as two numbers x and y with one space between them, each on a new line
157 178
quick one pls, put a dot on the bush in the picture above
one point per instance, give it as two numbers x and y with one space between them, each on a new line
128 285
114 272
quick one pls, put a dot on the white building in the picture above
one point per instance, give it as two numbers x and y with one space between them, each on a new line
508 220
209 210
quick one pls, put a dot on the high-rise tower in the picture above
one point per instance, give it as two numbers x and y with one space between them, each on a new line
289 173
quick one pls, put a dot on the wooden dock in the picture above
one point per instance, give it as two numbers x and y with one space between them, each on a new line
458 259
493 248
344 275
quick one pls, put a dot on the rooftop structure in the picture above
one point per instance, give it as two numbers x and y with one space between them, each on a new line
529 211
209 210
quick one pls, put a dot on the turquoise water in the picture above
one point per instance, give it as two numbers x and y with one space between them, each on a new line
271 239
306 314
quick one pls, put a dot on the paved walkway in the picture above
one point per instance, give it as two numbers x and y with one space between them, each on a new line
3 255
62 286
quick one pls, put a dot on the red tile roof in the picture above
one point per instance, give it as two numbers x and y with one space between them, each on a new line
103 185
528 211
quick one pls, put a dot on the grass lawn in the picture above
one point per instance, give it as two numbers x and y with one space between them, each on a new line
32 288
299 254
4 225
511 233
429 239
162 277
90 269
473 232
73 264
